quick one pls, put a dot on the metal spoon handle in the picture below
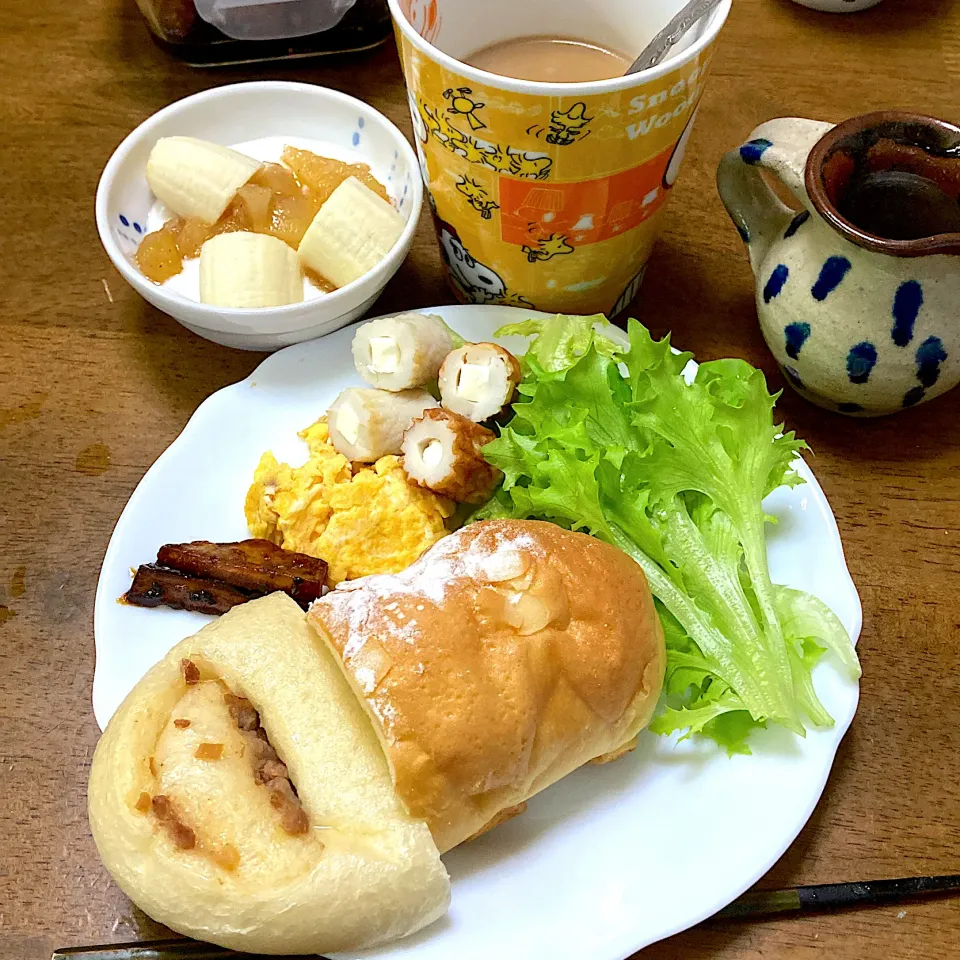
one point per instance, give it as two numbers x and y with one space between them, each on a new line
660 45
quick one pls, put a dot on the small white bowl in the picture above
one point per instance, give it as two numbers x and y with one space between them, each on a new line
236 114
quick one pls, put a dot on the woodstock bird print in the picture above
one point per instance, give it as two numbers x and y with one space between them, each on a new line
568 126
460 103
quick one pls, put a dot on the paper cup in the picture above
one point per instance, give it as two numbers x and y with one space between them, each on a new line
548 195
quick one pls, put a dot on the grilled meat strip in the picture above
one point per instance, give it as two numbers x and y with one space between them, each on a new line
255 565
155 586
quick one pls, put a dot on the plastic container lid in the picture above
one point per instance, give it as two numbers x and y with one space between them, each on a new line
272 19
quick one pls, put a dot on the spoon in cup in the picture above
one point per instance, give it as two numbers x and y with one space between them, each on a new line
660 45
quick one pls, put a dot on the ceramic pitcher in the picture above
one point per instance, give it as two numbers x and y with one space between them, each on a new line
858 293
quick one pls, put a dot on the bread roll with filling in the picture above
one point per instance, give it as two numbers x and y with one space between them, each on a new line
319 856
511 653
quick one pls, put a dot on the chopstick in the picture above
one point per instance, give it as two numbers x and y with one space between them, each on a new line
755 904
836 896
178 949
174 949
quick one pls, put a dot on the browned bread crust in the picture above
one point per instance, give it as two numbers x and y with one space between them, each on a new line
511 653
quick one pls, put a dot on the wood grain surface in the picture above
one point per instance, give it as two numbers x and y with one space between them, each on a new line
94 384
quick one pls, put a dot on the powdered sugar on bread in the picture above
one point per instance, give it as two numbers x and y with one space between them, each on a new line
492 554
509 654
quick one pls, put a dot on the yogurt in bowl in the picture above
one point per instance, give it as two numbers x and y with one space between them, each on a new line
259 119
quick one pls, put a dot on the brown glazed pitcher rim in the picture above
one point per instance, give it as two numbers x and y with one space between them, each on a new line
940 243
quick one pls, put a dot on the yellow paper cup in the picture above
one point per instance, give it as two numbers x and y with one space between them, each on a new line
548 195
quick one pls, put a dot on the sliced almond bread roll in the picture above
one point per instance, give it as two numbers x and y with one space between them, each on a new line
510 654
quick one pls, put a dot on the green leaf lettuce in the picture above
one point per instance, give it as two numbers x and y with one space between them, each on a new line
614 441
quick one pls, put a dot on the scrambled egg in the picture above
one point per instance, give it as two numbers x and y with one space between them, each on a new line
363 521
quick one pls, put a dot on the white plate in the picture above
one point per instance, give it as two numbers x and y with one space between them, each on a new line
610 859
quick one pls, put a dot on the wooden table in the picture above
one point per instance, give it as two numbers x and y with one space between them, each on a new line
94 384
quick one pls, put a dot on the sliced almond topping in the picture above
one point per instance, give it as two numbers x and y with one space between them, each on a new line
551 590
511 609
533 613
370 664
524 581
504 565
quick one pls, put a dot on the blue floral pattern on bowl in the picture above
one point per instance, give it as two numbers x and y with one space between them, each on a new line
129 232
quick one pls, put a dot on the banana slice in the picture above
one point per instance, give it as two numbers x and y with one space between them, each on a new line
195 178
249 270
351 233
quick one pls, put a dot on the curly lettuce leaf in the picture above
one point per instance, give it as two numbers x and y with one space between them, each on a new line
561 339
804 617
696 702
618 444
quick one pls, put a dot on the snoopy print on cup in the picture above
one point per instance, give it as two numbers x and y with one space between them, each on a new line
477 282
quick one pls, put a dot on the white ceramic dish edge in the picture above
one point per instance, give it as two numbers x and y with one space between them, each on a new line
438 940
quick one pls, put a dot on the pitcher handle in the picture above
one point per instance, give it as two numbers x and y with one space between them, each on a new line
780 146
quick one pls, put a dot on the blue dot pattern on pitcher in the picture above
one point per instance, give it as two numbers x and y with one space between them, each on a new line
907 302
831 276
795 336
796 223
753 150
930 354
849 407
860 361
775 283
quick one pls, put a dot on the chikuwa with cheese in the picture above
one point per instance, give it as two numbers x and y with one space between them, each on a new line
367 424
443 452
478 380
397 353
